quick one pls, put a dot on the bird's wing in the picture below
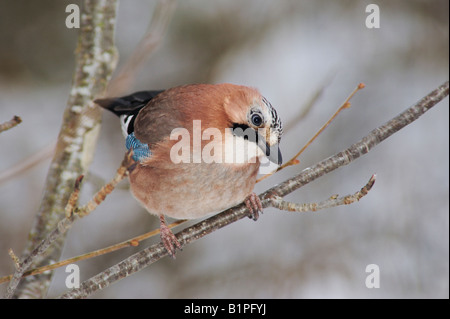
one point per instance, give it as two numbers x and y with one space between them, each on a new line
127 107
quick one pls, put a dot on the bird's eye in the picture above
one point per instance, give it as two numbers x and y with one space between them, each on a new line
256 119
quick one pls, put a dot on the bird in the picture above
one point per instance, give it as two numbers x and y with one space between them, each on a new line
198 149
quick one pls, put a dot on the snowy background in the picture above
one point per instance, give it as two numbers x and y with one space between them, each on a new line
288 50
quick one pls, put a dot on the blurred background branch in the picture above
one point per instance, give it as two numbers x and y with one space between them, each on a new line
156 30
26 164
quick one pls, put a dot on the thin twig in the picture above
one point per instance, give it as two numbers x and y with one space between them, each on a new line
10 124
294 160
132 242
73 199
155 252
99 197
14 258
278 202
66 223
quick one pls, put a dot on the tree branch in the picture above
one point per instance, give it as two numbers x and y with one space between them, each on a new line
95 61
72 213
155 252
278 202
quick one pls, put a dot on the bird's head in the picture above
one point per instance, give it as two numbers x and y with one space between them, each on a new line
249 111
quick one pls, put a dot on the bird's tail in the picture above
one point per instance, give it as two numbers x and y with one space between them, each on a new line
127 107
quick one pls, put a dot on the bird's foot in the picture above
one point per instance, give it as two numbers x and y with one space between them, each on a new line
254 205
168 238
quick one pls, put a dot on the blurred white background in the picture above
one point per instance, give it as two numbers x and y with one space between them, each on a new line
288 50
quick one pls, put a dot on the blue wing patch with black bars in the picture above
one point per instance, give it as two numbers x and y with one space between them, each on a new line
140 150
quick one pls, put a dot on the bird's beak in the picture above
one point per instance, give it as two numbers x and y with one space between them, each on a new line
272 152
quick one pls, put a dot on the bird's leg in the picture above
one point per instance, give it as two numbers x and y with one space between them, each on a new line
254 205
168 238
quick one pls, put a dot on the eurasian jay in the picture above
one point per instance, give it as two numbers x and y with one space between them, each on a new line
226 131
